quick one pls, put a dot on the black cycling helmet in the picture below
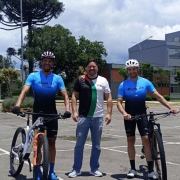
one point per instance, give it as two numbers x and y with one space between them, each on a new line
48 54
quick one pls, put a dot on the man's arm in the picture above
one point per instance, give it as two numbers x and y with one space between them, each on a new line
66 100
121 109
22 95
163 101
108 97
75 96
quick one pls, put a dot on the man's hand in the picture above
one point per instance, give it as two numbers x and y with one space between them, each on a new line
67 114
127 116
16 110
75 117
108 119
174 111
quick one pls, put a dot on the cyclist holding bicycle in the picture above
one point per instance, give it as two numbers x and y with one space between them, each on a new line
45 84
133 91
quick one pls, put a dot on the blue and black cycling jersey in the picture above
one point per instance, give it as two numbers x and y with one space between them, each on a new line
134 94
44 89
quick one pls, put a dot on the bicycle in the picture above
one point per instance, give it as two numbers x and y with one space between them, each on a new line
156 143
33 138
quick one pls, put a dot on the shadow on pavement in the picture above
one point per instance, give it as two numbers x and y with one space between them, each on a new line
143 170
21 177
85 173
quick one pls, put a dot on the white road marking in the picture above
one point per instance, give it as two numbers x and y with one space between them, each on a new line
173 163
65 150
125 152
172 143
6 139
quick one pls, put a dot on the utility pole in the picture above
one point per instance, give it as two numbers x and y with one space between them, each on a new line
22 47
140 48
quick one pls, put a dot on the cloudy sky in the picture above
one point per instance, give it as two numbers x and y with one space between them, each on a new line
117 23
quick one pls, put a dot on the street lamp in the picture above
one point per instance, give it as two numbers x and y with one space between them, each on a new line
141 52
21 42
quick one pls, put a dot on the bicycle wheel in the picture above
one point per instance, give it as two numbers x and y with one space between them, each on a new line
159 156
42 157
16 163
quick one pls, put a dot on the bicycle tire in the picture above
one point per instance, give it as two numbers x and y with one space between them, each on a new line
13 170
159 156
43 147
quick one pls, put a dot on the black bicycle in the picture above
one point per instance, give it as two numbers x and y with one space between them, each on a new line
34 138
156 143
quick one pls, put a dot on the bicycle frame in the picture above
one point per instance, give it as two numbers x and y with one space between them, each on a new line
27 147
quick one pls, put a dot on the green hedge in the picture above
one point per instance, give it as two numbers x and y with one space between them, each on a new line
167 97
148 98
8 104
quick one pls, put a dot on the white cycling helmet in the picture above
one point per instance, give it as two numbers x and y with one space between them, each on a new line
131 63
47 54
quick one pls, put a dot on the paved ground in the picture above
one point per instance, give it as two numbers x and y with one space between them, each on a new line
114 160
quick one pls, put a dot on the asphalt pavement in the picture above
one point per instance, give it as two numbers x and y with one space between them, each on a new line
114 163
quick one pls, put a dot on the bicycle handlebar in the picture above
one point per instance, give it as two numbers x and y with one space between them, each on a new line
51 116
151 114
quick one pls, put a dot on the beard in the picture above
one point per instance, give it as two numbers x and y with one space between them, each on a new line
92 73
133 75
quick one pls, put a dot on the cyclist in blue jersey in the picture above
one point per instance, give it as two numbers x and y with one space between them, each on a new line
133 91
45 85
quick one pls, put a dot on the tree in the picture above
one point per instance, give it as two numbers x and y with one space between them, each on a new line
94 50
161 77
6 62
35 13
70 53
8 76
177 78
123 72
147 71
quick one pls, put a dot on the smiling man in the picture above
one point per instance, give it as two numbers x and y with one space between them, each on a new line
133 91
45 85
90 89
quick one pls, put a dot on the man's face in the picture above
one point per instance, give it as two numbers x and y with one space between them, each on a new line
47 64
133 72
92 69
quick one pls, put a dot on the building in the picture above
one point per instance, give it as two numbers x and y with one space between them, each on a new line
111 73
159 53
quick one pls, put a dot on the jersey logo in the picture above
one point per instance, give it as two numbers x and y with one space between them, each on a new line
136 88
45 84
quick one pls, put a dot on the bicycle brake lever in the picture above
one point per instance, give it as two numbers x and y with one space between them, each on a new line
21 114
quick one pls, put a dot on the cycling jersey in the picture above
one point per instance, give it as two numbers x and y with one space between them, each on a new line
91 95
134 94
44 89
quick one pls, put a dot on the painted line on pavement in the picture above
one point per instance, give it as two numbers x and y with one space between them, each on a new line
110 149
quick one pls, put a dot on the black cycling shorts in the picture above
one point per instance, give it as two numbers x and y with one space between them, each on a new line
130 127
52 127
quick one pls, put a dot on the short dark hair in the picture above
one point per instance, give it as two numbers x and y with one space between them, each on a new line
91 60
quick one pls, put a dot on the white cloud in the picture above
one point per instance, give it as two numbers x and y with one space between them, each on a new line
115 22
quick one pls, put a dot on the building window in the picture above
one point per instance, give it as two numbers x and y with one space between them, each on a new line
176 39
174 53
174 71
175 88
